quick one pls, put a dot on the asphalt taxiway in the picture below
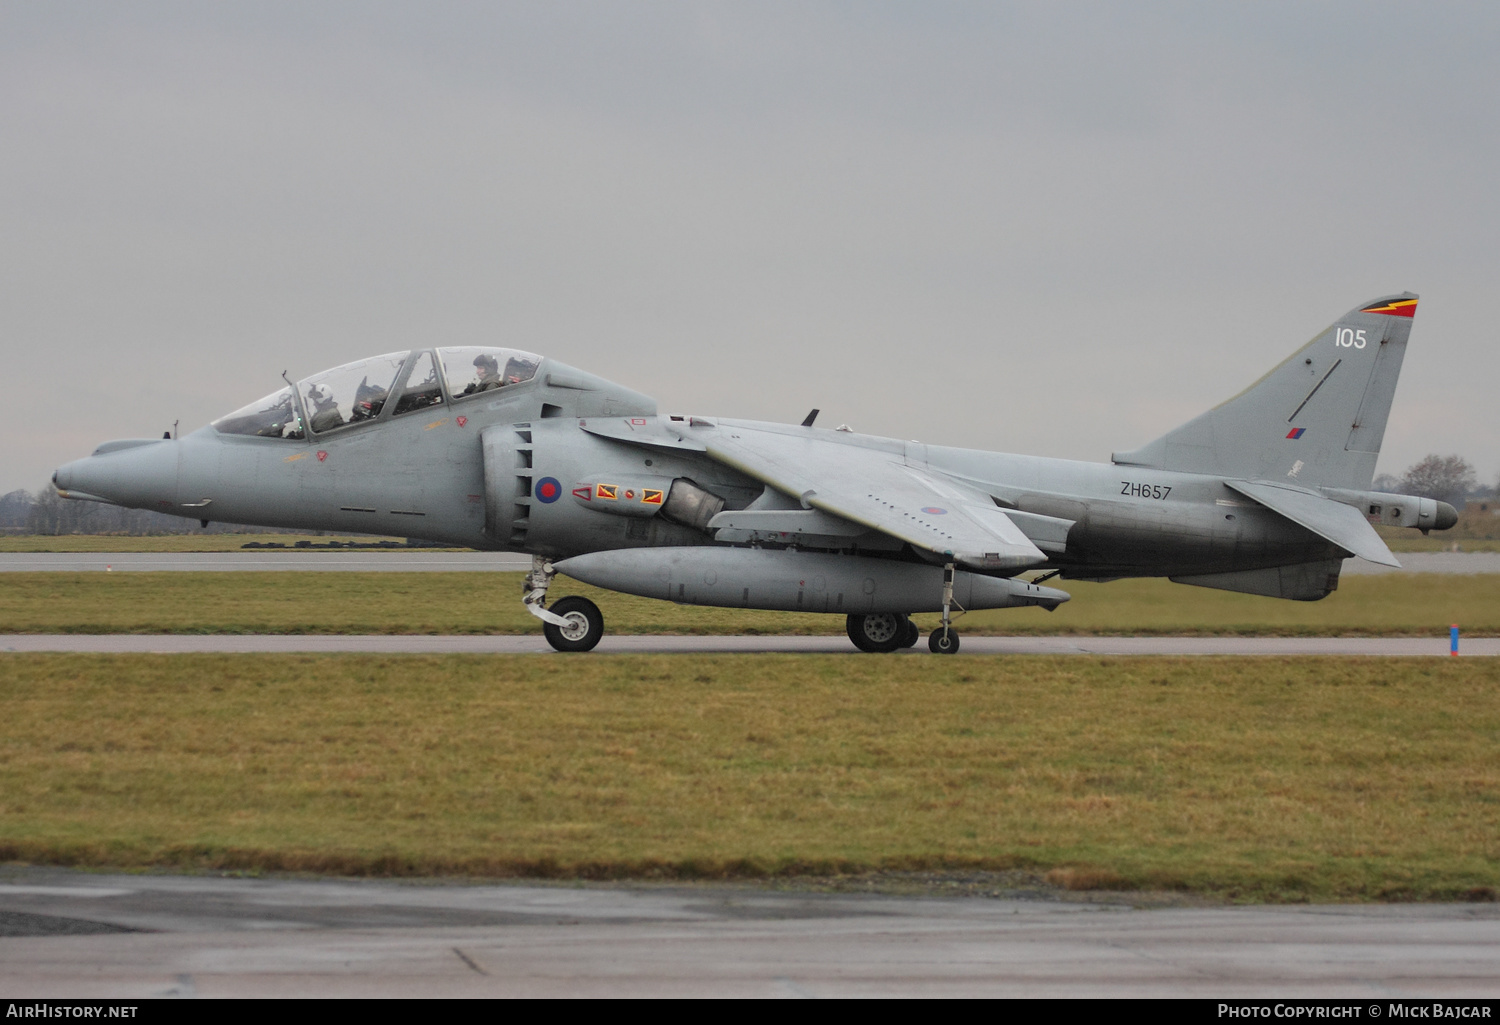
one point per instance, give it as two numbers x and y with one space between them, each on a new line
71 934
528 644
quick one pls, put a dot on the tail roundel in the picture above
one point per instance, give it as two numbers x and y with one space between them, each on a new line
1316 419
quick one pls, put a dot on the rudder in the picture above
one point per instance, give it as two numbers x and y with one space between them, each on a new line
1318 418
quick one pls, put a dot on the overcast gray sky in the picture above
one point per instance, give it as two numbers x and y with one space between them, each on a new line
1056 228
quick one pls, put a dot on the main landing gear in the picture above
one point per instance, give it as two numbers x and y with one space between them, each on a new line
888 631
573 623
882 631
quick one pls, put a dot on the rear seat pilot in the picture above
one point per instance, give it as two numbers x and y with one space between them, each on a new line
487 368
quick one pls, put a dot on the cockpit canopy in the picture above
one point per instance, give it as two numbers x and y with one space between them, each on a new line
362 391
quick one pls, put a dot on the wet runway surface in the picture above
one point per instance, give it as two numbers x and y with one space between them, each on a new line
420 561
1428 562
534 644
60 936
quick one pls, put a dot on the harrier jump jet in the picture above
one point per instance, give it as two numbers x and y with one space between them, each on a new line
503 450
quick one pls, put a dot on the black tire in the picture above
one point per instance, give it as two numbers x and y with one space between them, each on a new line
913 635
587 625
877 632
854 627
943 644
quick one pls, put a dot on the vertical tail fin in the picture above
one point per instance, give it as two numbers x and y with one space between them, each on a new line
1317 419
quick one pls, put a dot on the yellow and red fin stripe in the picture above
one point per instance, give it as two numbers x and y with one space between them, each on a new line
1394 308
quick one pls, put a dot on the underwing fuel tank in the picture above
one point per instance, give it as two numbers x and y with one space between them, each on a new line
794 581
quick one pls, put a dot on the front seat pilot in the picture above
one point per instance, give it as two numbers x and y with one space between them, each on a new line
326 414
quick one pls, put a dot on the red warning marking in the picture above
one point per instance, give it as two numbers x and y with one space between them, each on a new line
322 455
462 420
1398 308
638 421
586 492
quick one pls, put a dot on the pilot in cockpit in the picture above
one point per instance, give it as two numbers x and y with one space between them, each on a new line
326 415
487 369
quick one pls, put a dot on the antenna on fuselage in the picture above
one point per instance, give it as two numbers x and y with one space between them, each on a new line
287 379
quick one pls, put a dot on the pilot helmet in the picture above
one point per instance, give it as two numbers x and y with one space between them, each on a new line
488 362
321 394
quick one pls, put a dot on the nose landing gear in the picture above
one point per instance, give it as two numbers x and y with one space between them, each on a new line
573 623
584 624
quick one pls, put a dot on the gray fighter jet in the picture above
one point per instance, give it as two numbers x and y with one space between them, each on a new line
498 449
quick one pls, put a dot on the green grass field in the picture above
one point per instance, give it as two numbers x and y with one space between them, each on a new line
478 603
1234 778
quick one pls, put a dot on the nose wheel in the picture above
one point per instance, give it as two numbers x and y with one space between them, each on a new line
582 626
572 623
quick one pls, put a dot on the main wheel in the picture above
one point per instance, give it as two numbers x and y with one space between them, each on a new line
879 631
942 643
585 625
912 636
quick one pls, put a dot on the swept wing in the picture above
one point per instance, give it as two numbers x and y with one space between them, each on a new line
933 513
936 515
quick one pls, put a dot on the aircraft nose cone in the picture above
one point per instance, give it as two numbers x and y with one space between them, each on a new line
1447 516
141 475
62 477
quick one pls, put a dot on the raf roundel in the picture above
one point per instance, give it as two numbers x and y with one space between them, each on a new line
548 490
932 510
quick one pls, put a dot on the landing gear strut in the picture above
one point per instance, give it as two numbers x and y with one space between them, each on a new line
944 640
573 623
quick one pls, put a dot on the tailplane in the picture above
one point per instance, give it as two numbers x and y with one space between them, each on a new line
1316 419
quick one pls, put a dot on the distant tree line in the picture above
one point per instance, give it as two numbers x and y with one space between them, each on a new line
47 512
1450 479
